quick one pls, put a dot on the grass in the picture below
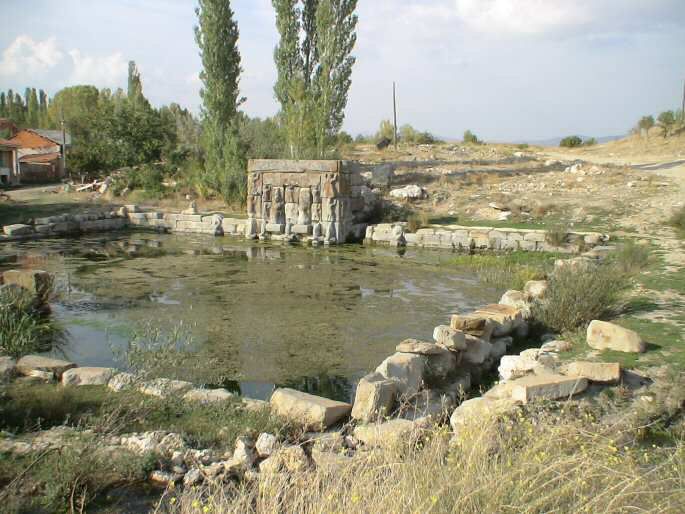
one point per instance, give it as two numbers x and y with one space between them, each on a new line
507 270
546 458
28 407
25 326
678 221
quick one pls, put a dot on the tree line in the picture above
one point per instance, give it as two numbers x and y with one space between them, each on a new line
30 110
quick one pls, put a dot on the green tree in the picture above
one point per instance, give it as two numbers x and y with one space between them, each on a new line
645 123
33 109
314 64
471 138
43 101
3 104
135 87
571 142
217 37
667 120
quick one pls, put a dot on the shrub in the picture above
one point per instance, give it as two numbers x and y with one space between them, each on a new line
631 257
667 119
578 295
571 142
645 123
590 142
471 138
417 221
24 327
557 236
678 220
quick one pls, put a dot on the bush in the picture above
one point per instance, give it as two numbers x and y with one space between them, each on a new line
667 119
590 142
417 221
24 327
645 123
631 257
571 142
557 236
579 294
471 138
678 220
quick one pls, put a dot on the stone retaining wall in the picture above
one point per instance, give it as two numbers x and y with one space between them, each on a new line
478 238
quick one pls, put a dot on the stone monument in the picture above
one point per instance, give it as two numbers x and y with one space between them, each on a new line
311 201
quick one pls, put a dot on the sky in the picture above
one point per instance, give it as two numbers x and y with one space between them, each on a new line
509 70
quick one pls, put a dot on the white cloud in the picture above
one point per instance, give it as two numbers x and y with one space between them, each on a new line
25 56
522 16
108 71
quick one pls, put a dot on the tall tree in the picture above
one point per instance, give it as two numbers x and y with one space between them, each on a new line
33 108
3 105
43 102
217 37
135 86
314 64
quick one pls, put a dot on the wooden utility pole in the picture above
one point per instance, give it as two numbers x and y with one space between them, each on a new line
394 112
682 111
64 148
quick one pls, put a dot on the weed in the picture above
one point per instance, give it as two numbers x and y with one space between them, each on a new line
417 221
557 235
631 257
510 270
678 221
577 296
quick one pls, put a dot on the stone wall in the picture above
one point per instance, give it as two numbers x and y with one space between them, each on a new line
316 201
478 238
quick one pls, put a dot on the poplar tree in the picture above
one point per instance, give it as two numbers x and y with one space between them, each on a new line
217 37
3 104
33 109
135 87
314 62
43 100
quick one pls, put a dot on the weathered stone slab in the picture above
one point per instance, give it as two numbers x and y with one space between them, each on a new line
477 350
504 317
18 230
385 435
604 372
121 381
208 395
30 363
164 387
473 324
607 336
87 376
449 338
275 228
311 411
407 369
419 347
479 411
535 289
547 387
302 229
375 397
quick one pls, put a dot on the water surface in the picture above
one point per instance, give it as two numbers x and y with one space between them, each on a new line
312 318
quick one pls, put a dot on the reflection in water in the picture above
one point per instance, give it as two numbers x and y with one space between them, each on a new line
310 318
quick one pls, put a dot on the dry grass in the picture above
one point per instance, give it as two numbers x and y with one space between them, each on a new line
563 462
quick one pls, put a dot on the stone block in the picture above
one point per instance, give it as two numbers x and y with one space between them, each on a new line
547 387
375 398
473 324
449 338
608 336
206 396
477 351
30 363
390 434
535 289
479 411
419 347
538 237
17 230
407 369
302 229
164 388
8 368
504 318
312 411
275 228
87 376
603 372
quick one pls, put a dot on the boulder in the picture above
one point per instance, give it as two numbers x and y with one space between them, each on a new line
244 452
8 368
603 372
38 283
208 395
504 318
375 397
427 407
472 324
547 387
480 410
385 435
411 192
608 336
407 369
515 366
517 300
477 351
266 445
557 345
419 347
292 459
311 411
87 376
164 387
18 230
449 338
535 289
121 381
32 363
439 366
